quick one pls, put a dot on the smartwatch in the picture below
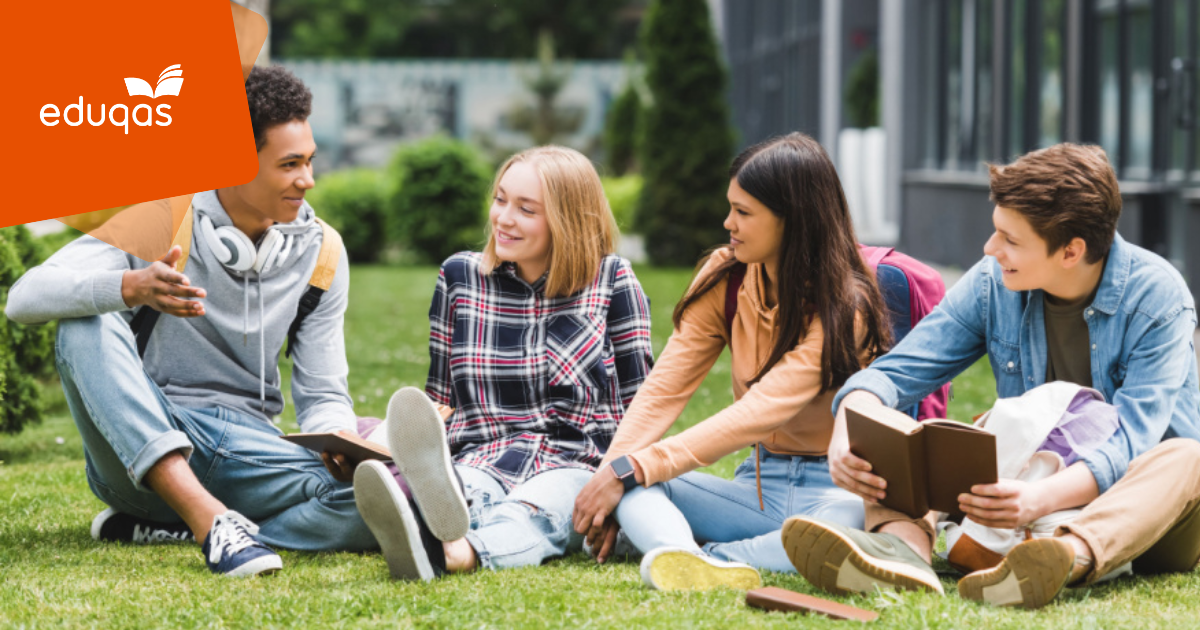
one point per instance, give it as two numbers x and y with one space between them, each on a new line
622 467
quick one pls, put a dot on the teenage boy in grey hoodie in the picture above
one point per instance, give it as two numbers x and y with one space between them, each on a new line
185 433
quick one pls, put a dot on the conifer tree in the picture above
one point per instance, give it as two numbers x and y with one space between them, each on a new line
687 142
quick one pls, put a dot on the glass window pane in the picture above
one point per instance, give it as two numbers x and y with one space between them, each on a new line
1016 102
984 114
1181 45
1050 125
954 54
1110 85
933 84
1141 94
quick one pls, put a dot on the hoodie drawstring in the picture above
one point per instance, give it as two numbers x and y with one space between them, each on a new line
262 350
245 306
262 338
758 474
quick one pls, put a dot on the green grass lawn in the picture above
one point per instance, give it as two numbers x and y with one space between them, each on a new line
52 574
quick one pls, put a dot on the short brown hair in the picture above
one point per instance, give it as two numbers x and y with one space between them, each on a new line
1064 191
582 228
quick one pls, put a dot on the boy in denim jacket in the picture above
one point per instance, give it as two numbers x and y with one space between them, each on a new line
1059 295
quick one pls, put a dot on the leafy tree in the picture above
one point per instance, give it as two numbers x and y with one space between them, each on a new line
340 28
26 352
687 139
586 29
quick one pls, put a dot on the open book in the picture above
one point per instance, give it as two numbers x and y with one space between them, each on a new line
169 82
926 464
344 442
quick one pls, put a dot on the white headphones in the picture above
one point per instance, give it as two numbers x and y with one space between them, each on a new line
236 251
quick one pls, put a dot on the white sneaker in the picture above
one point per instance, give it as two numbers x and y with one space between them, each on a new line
678 569
416 437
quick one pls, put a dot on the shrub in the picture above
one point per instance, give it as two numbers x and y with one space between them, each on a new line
352 202
26 352
620 130
622 193
437 205
862 90
687 141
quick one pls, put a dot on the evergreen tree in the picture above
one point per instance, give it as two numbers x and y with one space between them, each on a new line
620 130
687 142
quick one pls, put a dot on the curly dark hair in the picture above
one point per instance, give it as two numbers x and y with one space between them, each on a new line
275 96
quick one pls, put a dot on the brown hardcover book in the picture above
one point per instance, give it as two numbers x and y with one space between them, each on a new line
926 464
344 442
772 598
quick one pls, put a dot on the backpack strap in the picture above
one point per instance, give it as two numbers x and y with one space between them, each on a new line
319 283
736 276
875 255
146 318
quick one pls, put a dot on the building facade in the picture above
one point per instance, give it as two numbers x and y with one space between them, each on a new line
967 82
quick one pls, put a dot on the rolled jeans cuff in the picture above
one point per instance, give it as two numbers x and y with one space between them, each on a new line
153 452
481 552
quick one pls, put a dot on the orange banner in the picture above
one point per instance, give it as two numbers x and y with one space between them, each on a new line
118 104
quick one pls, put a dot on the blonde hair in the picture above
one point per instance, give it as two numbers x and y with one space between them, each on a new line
582 228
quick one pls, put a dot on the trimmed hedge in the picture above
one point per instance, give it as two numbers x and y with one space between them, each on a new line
352 201
438 202
622 194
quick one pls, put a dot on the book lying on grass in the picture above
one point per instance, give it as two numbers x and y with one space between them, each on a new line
780 599
344 442
926 464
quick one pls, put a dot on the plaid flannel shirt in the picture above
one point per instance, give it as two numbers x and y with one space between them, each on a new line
536 383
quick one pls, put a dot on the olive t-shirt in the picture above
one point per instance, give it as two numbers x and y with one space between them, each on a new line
1068 349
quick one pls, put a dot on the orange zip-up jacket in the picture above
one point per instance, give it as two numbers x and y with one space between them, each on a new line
783 411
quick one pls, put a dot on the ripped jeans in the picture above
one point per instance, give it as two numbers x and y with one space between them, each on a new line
506 532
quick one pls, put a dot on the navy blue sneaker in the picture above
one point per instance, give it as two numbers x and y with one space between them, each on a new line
410 548
113 526
231 548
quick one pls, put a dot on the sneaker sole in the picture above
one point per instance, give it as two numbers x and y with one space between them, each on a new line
385 510
834 563
1032 574
263 565
417 440
98 522
676 570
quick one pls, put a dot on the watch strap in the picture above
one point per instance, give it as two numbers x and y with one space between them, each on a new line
622 467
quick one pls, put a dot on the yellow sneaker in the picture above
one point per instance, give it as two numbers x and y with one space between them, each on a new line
676 569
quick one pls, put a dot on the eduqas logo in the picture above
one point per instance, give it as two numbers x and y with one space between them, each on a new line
169 83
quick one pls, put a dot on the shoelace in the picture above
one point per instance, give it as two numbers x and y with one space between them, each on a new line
230 534
155 534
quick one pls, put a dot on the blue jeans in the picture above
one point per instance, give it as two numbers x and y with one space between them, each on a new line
128 425
725 517
526 526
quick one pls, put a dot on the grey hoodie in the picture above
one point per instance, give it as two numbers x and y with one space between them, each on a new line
222 358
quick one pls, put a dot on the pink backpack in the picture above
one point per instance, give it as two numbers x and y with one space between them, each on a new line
910 289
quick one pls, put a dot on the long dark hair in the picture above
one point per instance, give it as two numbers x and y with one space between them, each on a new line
820 269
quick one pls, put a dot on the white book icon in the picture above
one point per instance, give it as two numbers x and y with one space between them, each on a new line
169 82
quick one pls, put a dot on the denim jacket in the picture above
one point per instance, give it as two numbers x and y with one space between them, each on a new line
1143 359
